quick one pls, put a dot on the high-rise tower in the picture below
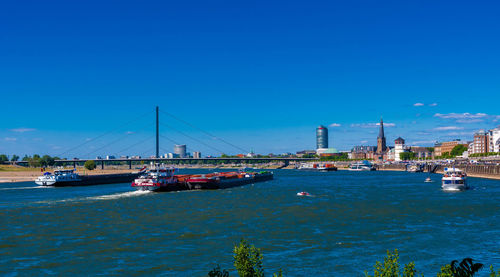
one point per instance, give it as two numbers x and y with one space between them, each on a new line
381 146
321 137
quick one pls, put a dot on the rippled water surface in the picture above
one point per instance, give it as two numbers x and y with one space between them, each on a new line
349 222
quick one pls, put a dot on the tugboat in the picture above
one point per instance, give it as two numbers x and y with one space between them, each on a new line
158 178
454 179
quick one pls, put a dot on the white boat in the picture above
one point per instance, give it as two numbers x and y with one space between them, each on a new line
428 180
414 168
317 167
361 166
60 177
454 179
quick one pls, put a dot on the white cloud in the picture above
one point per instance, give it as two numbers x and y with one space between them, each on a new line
129 132
460 133
371 125
10 139
22 130
461 115
470 120
419 104
433 104
364 141
422 142
448 128
334 125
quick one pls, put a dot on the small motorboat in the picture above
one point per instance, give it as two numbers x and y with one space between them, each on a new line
303 193
428 180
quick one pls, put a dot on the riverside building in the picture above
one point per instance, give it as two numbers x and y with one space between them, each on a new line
481 142
180 150
381 152
321 137
399 147
494 137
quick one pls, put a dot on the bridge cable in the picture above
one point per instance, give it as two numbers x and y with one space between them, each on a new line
195 139
133 145
149 150
102 135
205 132
174 142
106 145
113 142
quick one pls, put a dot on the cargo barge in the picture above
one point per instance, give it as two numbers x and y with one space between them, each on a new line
68 177
160 178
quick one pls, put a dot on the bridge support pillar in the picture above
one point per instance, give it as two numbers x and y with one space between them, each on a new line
287 163
74 164
129 164
102 165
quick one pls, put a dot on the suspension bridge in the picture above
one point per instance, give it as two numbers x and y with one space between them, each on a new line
94 148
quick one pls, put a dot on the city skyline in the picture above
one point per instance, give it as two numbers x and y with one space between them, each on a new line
263 82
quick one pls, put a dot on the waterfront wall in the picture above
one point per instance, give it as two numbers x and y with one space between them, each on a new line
483 171
391 167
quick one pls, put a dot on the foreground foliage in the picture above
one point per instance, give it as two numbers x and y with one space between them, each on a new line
466 268
248 260
248 263
391 268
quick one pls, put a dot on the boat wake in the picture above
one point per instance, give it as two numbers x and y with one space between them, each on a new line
34 187
94 198
118 195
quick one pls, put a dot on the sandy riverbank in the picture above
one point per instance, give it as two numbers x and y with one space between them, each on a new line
31 175
19 174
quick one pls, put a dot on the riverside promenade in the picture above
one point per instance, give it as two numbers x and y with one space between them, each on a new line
472 170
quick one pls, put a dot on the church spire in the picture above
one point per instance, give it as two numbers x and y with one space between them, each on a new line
381 130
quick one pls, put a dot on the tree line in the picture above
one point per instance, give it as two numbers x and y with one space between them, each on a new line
33 161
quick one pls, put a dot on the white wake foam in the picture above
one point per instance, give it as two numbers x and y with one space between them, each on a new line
34 187
93 198
118 195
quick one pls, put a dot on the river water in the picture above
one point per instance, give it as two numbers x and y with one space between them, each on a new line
347 224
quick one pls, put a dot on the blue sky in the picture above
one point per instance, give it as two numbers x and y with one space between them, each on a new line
262 75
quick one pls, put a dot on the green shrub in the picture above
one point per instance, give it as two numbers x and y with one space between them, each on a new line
90 165
217 272
248 260
390 267
493 273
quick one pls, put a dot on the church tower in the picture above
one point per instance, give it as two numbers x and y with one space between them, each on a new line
381 147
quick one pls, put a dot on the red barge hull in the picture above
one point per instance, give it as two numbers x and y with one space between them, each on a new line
207 181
